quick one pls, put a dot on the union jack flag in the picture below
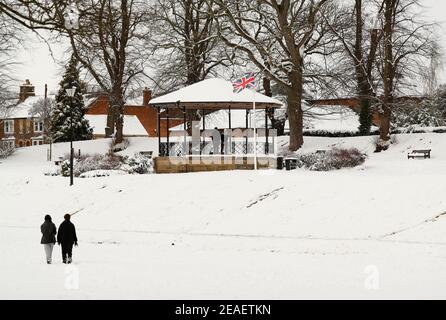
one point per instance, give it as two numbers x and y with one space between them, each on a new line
248 81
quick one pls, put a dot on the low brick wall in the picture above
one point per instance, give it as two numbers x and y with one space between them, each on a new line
212 163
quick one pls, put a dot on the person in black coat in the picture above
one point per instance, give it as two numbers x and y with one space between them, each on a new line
48 229
66 237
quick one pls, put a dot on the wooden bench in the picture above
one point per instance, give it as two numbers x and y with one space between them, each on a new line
426 154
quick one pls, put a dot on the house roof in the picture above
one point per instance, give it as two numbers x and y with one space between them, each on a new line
21 110
214 94
132 125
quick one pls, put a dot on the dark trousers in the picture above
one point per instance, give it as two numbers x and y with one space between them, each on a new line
67 251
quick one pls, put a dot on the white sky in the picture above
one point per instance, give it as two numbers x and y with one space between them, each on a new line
37 64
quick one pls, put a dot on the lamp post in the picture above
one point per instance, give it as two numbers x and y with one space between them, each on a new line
70 93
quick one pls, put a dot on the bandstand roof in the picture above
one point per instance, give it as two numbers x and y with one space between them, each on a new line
214 94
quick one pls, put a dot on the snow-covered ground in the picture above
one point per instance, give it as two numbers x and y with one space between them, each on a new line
371 232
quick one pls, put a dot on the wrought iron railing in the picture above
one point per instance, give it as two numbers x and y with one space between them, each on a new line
237 148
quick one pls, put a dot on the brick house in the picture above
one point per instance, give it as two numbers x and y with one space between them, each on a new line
18 127
138 108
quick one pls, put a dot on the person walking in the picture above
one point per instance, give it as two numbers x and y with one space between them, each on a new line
48 229
66 237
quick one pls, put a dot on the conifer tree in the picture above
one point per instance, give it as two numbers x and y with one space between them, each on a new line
68 116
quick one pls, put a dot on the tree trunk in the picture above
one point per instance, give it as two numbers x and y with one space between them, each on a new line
385 124
388 75
115 117
110 129
120 126
190 48
295 114
295 118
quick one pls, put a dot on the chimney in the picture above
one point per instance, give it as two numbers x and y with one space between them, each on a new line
26 90
147 96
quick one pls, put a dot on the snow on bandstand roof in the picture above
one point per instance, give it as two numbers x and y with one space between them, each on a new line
214 94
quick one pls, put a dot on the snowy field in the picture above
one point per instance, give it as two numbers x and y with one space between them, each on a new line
372 232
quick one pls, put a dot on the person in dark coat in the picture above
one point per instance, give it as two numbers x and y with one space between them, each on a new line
48 229
66 237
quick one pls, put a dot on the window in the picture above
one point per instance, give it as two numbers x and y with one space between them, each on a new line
37 142
9 126
38 126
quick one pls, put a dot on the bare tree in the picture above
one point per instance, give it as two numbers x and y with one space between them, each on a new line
10 39
106 37
41 111
408 43
275 36
185 42
359 43
186 46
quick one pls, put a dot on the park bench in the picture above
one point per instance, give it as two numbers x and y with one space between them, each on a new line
426 154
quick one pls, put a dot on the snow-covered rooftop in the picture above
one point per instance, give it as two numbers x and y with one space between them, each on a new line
132 125
213 91
23 109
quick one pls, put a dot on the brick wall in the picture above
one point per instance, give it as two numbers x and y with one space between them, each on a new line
147 115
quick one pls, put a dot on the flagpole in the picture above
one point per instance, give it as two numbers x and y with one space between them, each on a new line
255 131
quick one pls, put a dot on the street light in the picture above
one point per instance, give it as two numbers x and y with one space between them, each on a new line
70 93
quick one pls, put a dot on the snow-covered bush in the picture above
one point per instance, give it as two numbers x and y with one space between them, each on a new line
439 99
331 160
336 134
138 164
409 116
53 171
6 150
96 162
109 162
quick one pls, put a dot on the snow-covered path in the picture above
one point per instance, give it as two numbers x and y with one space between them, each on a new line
233 235
110 265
